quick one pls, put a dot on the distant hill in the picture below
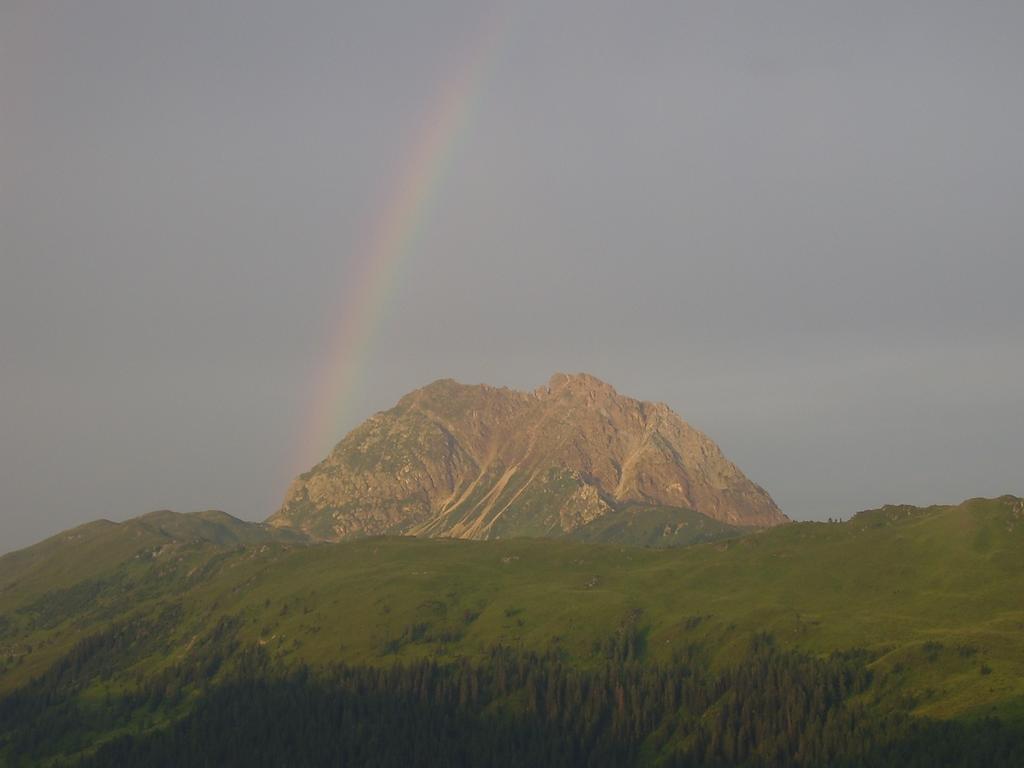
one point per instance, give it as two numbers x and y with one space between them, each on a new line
647 526
83 552
481 462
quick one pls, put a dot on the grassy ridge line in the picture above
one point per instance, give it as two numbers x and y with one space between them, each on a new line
935 593
91 549
78 582
654 526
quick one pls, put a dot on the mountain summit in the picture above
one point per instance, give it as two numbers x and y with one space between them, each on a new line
479 462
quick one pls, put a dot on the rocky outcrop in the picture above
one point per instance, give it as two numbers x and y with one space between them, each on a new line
486 462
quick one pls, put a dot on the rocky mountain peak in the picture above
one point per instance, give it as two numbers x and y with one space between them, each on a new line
580 384
478 461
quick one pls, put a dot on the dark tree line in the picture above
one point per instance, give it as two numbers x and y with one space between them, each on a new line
229 705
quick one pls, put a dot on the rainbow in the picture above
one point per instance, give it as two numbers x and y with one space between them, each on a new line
392 238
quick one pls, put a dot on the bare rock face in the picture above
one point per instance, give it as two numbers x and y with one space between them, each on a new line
484 462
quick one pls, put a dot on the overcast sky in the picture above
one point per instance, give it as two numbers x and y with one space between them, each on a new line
800 224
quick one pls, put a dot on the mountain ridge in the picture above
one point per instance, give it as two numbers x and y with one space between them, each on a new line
478 461
86 550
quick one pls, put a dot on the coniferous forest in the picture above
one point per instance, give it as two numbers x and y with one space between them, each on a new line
775 707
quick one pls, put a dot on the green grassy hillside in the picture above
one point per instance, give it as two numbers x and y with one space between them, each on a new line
899 581
646 526
933 595
83 552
